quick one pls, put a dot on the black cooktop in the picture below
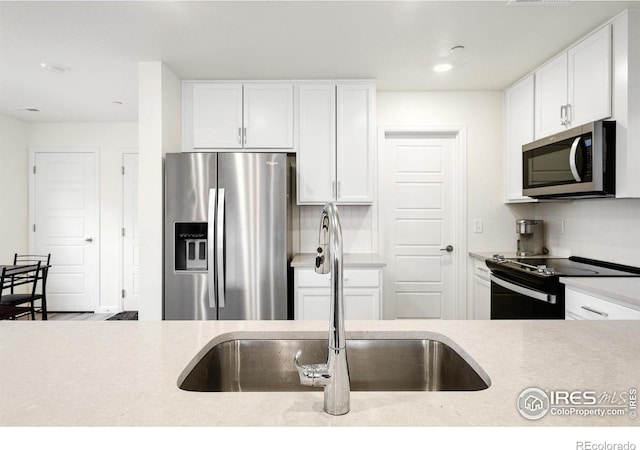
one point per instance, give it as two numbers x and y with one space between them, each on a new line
573 266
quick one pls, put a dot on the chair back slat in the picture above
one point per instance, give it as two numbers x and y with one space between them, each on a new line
14 276
44 260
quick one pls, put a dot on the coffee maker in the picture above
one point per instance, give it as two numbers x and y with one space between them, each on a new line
530 237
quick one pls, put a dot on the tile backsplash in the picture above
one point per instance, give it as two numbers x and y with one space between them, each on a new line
604 229
358 228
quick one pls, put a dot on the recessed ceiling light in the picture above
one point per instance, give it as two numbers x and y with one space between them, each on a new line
55 67
442 68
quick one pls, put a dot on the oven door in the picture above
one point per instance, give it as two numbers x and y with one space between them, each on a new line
514 300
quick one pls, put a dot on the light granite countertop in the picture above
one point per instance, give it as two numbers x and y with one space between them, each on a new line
124 373
350 260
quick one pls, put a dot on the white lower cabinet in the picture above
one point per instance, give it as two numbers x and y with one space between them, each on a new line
581 305
362 294
481 291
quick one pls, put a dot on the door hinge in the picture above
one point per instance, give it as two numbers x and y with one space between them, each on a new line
34 227
123 293
122 170
123 232
34 170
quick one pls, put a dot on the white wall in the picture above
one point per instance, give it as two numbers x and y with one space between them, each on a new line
110 138
159 112
604 229
14 184
481 114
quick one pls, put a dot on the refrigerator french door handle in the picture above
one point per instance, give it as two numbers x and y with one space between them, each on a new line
210 247
572 159
220 247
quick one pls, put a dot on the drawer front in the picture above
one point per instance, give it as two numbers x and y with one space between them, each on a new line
359 304
309 278
352 278
584 306
481 270
361 278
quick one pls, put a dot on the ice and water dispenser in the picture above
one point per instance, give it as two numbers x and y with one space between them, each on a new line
190 246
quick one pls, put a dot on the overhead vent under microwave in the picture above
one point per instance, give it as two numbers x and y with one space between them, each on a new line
576 163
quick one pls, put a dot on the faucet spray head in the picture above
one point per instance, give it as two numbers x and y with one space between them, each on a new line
322 265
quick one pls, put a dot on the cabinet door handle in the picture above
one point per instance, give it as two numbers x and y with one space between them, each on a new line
245 135
595 311
567 114
239 135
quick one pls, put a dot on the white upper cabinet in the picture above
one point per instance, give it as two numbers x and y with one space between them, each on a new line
217 115
316 163
551 96
268 115
589 82
518 128
336 143
237 115
575 87
355 143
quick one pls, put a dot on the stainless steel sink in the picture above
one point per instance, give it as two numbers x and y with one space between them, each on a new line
380 364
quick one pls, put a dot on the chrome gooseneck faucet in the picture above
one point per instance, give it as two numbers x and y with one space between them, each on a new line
334 375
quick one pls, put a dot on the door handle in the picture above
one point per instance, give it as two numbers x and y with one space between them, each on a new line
572 160
448 249
595 311
220 248
89 239
523 290
211 217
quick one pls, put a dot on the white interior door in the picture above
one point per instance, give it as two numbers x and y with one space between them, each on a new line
419 208
65 224
131 233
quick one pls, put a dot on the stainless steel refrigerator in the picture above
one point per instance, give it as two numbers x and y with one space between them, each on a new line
226 236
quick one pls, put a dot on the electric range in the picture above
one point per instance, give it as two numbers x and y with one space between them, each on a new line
530 288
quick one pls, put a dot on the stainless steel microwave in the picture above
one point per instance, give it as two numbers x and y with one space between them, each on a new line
579 162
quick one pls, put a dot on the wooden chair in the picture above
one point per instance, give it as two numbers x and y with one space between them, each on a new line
14 276
45 262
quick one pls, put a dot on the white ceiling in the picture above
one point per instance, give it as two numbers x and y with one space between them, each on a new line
394 42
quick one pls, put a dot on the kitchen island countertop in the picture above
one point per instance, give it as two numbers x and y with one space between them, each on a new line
124 373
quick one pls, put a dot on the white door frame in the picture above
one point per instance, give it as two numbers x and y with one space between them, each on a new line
459 133
123 151
32 209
